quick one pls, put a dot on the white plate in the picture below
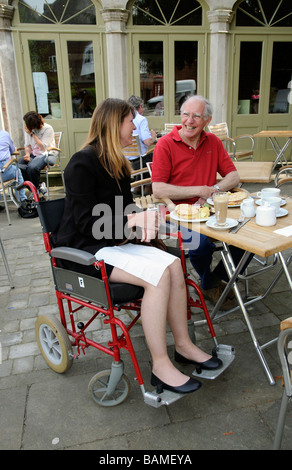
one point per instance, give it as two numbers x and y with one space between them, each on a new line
259 202
174 216
229 223
282 213
210 201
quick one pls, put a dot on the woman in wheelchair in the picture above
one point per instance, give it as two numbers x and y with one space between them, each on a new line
99 216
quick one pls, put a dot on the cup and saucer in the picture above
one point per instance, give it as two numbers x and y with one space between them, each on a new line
259 202
276 202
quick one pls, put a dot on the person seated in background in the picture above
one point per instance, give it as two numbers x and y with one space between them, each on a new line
147 137
7 147
39 136
98 217
184 169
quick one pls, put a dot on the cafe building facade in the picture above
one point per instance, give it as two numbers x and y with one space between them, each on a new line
62 57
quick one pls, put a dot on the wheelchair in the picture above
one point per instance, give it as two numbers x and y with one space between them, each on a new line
56 338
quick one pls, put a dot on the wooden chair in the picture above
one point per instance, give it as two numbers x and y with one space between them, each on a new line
168 127
231 143
283 180
50 168
7 187
134 151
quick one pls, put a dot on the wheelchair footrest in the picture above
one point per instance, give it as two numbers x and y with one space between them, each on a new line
158 399
227 355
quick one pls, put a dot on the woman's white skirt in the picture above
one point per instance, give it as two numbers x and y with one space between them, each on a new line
146 262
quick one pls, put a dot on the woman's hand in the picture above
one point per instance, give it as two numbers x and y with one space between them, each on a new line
148 221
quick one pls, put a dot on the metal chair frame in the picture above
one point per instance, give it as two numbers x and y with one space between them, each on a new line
221 130
6 264
9 186
284 345
49 168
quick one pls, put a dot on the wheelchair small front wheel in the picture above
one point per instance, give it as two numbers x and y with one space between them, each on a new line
54 343
97 389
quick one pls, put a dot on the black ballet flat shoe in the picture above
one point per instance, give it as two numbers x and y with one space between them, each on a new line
211 364
190 386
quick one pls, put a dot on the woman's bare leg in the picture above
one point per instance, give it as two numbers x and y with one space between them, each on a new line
177 316
154 313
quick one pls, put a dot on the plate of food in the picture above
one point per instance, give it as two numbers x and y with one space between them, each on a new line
236 196
191 213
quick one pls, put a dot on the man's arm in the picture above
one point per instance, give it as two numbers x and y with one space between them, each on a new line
162 190
151 139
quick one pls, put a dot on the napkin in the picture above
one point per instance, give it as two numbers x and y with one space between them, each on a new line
286 231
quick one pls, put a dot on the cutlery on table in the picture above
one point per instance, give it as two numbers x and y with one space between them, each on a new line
241 224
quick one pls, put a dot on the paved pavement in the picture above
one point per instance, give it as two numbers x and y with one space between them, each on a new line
44 410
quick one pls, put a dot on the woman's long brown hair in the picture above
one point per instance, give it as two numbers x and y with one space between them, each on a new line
104 136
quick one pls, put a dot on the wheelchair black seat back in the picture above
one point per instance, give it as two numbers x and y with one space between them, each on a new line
50 215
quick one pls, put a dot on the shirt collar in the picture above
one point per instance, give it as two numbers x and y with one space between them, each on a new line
178 138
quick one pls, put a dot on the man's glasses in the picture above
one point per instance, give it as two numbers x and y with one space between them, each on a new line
195 117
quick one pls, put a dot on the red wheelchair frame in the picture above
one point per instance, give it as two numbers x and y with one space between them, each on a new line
109 387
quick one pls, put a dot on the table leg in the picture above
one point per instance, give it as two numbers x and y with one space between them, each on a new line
278 150
233 272
285 267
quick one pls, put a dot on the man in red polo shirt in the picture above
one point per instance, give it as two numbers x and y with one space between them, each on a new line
185 166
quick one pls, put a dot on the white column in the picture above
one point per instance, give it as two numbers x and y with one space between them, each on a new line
11 115
117 63
219 59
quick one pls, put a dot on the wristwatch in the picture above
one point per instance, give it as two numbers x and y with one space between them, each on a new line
32 133
216 187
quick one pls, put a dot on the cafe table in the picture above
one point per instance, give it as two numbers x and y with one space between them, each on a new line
261 241
279 150
253 172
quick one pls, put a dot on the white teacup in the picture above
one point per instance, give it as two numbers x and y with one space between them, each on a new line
269 192
274 202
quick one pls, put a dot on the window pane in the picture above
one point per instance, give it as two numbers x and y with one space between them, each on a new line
82 78
57 11
268 13
74 14
160 12
186 68
45 80
249 77
186 13
281 77
151 77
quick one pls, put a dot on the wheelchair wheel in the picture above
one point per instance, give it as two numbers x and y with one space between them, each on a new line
54 343
97 388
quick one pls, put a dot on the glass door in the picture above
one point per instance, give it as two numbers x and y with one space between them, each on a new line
261 95
61 73
166 70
